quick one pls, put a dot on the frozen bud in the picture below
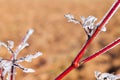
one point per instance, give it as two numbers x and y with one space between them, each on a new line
28 70
10 44
88 22
30 31
29 58
69 16
6 65
89 25
103 28
37 54
71 19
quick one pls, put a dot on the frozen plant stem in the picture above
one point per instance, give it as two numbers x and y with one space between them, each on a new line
8 66
19 48
103 22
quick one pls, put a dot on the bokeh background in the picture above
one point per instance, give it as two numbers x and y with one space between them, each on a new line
58 40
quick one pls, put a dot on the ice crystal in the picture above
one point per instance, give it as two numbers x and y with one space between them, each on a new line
105 76
71 18
29 58
7 64
87 23
28 70
10 44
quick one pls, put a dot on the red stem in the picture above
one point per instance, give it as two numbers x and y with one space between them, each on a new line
105 49
119 1
70 68
105 20
12 73
12 68
1 72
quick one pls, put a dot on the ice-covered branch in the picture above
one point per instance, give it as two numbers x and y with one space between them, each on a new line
8 65
71 18
29 58
8 46
26 70
87 23
105 76
24 43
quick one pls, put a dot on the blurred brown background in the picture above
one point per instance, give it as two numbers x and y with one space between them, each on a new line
59 40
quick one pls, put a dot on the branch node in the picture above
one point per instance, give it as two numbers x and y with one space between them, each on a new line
75 64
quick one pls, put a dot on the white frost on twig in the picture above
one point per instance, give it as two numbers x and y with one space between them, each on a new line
71 18
29 33
105 76
103 28
7 64
24 43
28 70
87 23
29 58
10 44
7 46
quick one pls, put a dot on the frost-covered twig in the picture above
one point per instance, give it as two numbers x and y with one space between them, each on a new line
106 76
29 58
8 46
7 66
71 18
91 35
87 23
24 43
26 70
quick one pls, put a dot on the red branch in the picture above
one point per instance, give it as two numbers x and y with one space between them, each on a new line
12 73
75 63
105 49
1 74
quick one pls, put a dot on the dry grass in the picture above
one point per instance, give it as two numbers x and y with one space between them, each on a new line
58 40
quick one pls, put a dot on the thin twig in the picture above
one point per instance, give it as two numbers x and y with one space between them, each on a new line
103 22
103 50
